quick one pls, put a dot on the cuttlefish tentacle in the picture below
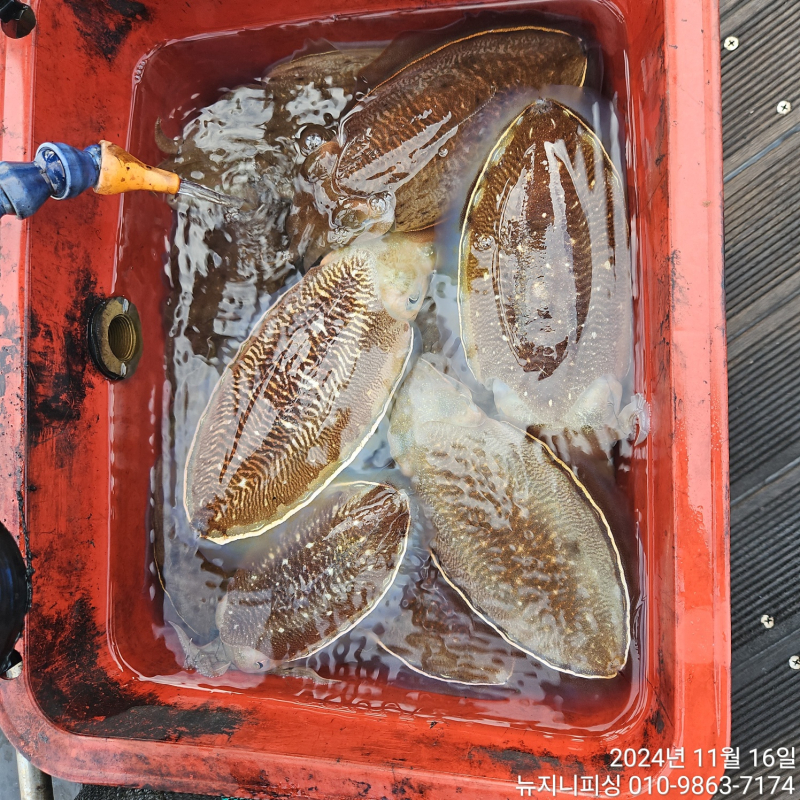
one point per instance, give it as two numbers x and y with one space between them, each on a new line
518 535
545 303
402 148
307 389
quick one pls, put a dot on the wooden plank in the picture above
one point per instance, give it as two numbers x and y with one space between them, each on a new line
762 248
757 75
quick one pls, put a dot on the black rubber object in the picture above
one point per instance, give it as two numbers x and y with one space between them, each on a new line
14 598
17 19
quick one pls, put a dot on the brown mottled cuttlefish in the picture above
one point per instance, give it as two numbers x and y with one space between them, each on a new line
310 583
517 535
545 297
306 389
402 149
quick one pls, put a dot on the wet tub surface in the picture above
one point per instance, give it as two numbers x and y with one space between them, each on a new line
100 659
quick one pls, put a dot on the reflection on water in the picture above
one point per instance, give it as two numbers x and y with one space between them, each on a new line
262 144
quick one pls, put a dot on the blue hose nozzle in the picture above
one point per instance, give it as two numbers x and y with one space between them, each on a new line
58 171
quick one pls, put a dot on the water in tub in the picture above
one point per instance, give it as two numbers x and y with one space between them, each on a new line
401 409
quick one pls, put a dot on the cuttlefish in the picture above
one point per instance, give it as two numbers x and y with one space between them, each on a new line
310 583
545 303
517 535
257 132
401 150
248 144
306 389
436 634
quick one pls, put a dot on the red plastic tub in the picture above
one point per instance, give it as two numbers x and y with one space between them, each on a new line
93 703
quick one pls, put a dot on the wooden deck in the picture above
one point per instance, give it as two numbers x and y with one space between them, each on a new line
761 148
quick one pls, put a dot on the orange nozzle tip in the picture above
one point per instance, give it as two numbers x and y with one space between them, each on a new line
122 172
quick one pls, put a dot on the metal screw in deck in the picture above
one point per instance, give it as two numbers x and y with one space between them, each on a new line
794 662
767 621
730 43
784 107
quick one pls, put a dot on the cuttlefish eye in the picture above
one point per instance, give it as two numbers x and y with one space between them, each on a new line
312 137
357 214
379 204
320 160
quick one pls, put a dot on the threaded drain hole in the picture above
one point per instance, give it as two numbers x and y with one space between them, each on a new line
122 337
115 337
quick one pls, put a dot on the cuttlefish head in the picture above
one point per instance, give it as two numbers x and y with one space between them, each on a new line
403 264
403 267
435 397
427 399
324 217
